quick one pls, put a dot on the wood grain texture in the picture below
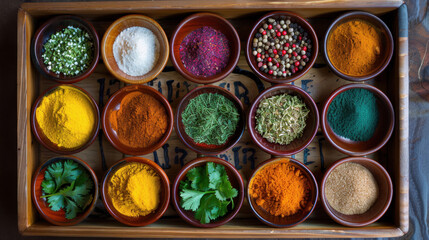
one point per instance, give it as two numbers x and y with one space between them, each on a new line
319 81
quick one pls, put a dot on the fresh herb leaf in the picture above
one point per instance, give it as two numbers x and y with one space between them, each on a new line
56 202
71 209
71 171
225 190
48 184
191 199
209 209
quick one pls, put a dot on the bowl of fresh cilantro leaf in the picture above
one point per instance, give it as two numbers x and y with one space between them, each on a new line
208 192
64 190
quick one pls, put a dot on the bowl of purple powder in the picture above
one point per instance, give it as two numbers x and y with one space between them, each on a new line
205 48
281 47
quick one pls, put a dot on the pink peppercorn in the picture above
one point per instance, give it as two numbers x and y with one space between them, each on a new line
304 56
279 34
270 27
278 64
294 54
264 33
284 32
258 55
293 46
297 63
284 52
270 59
270 72
275 51
299 38
296 69
304 48
287 44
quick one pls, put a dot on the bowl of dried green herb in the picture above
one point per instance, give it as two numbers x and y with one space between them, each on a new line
283 120
64 190
208 192
66 49
210 120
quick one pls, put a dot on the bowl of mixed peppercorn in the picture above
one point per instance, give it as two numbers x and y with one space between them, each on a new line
65 49
281 47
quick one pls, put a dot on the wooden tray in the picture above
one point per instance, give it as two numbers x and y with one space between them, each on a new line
319 82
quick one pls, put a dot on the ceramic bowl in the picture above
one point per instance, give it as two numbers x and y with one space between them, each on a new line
52 26
134 20
114 104
233 176
382 134
180 128
287 221
387 45
378 208
58 217
142 220
297 145
251 60
41 137
197 21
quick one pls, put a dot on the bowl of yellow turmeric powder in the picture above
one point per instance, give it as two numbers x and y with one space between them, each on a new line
282 192
358 46
136 191
65 119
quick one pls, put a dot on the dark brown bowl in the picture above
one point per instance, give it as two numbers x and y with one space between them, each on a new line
180 128
381 27
58 217
197 21
142 220
296 145
114 103
233 176
52 26
41 137
384 129
380 206
288 221
251 60
134 20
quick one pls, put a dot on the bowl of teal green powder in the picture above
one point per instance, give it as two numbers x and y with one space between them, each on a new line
358 119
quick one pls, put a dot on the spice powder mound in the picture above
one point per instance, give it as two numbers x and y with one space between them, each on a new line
141 120
351 189
281 189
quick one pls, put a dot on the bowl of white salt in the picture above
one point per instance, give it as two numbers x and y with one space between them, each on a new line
135 49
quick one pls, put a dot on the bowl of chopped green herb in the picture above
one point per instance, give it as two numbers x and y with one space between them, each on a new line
208 192
65 49
64 190
210 120
283 120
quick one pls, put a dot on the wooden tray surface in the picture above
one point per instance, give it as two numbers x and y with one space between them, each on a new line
319 82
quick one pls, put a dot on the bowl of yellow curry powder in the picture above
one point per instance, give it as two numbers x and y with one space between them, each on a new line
136 191
65 119
282 192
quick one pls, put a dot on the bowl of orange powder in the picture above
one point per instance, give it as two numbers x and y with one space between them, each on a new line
282 192
137 120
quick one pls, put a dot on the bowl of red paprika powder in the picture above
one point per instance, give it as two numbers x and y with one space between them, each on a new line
137 120
286 179
205 48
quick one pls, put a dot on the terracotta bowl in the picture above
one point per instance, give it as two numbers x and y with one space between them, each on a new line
233 176
251 60
387 45
114 103
197 21
41 137
180 128
288 221
380 206
296 145
58 217
382 134
52 26
142 220
134 20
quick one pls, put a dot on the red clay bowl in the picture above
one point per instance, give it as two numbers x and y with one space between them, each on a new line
142 220
41 137
380 206
381 27
180 128
134 20
233 176
52 26
296 145
197 21
251 60
384 129
114 104
288 221
58 217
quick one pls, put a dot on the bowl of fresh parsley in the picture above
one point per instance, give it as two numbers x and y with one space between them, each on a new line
208 192
64 190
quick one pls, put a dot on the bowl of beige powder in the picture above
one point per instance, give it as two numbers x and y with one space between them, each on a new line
356 191
135 49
